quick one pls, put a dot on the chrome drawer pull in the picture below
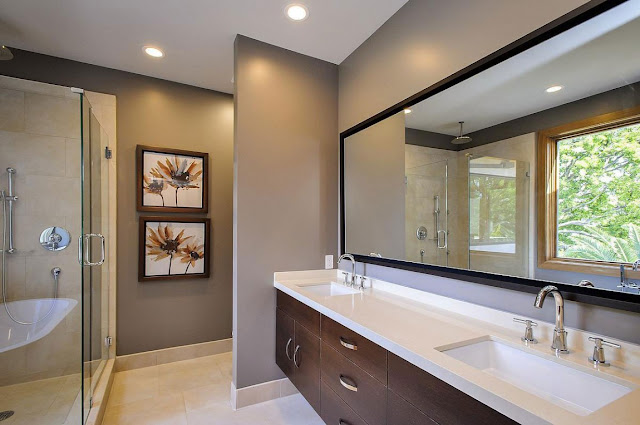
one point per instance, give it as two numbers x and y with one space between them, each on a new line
295 356
343 422
348 345
351 387
286 349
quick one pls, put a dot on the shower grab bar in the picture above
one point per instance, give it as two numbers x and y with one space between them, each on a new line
84 257
10 198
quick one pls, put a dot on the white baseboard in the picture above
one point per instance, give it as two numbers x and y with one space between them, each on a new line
173 354
260 393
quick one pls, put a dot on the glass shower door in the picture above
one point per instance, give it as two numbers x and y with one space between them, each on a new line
92 255
499 221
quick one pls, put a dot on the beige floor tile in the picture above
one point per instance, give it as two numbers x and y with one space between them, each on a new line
195 392
199 398
157 410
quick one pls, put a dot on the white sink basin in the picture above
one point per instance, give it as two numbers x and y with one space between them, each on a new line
572 389
328 289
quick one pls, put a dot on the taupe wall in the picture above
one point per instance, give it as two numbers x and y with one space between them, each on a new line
285 188
161 113
375 189
428 40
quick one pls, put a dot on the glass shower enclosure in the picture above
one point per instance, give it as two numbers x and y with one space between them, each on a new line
55 207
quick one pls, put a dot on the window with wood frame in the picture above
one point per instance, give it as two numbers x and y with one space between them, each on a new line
589 194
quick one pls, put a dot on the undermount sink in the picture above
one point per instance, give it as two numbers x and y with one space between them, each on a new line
328 289
572 389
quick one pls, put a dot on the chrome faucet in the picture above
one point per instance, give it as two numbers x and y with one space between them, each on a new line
624 281
559 334
353 267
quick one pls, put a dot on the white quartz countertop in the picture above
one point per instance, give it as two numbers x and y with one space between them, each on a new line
416 325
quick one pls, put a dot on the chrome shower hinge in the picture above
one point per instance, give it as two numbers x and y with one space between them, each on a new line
107 152
108 341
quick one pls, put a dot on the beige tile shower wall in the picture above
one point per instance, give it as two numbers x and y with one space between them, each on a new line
40 138
425 180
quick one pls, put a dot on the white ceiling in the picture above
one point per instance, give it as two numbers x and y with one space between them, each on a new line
597 56
196 35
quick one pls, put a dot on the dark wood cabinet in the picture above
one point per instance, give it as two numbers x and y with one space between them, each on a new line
301 313
285 344
335 411
366 354
298 347
306 359
440 401
350 380
362 392
401 412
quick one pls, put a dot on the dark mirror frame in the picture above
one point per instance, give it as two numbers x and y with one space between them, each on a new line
605 298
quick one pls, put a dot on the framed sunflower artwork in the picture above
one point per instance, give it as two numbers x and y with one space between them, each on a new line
173 248
172 180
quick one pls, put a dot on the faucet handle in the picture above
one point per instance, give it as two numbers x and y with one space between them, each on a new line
528 332
527 322
600 341
598 352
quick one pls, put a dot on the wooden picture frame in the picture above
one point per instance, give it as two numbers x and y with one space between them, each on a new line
171 180
179 245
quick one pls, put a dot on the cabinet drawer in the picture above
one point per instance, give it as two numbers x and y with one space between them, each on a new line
366 354
440 401
401 412
362 392
301 313
335 411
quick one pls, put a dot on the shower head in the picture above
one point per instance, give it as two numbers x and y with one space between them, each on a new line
460 140
5 54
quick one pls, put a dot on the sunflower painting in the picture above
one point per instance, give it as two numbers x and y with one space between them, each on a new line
172 180
173 248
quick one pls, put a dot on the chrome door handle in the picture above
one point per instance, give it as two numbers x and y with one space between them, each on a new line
295 356
444 239
348 345
286 349
351 386
83 258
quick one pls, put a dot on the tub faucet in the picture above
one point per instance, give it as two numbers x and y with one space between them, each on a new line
353 267
559 334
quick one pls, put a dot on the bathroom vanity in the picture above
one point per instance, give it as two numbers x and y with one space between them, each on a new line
393 355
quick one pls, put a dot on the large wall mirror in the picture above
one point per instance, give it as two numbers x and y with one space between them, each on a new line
529 168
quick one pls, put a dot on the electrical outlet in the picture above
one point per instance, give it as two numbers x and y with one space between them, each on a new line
328 261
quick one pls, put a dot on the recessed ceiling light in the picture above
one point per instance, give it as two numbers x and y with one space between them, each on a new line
554 89
297 12
407 111
153 51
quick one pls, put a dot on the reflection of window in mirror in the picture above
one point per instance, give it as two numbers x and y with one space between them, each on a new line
589 212
492 205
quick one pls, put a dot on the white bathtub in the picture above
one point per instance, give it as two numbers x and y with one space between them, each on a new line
13 335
